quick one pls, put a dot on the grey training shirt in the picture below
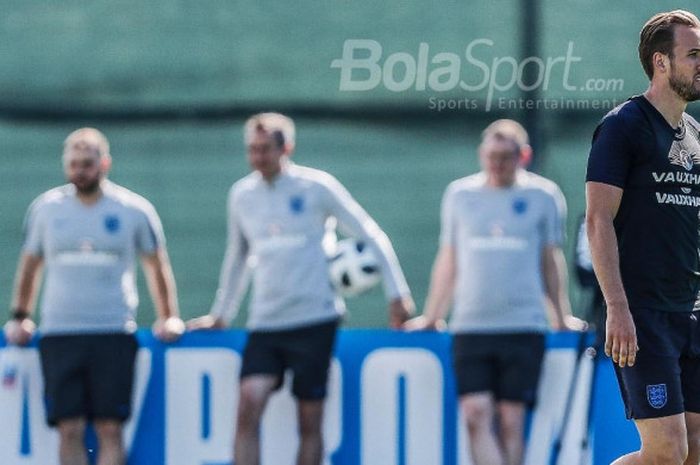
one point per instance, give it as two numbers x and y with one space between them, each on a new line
90 253
498 236
278 228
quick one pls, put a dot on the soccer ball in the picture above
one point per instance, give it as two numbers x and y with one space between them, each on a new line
353 267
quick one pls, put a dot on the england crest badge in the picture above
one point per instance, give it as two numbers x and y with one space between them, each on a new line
296 204
657 395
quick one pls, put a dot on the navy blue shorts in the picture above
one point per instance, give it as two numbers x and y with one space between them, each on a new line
305 351
88 375
665 379
506 365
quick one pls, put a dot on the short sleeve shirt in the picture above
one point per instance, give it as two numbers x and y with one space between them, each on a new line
90 254
658 168
498 236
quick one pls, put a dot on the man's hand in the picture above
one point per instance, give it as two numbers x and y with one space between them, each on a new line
573 323
19 332
620 336
168 329
423 323
400 310
569 323
205 322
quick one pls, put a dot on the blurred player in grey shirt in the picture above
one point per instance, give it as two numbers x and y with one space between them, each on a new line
500 261
278 217
87 235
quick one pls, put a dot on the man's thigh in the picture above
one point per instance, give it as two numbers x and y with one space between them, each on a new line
507 365
88 375
308 355
653 387
306 351
520 366
111 375
63 366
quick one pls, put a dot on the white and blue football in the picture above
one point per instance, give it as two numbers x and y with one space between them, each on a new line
353 267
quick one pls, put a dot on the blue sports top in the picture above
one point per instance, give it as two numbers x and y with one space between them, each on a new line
658 168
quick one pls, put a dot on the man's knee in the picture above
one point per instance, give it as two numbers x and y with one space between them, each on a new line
511 427
253 397
692 422
310 418
666 450
478 411
108 430
251 401
72 430
309 430
694 445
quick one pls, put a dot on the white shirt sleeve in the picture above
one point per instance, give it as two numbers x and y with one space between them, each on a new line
354 221
555 218
33 231
149 232
448 227
234 276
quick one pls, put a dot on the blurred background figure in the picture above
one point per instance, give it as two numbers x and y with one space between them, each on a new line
87 235
278 218
365 82
501 261
386 96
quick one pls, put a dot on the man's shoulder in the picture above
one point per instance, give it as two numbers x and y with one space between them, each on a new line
247 182
631 109
306 174
244 185
542 188
539 183
126 198
472 183
629 114
53 197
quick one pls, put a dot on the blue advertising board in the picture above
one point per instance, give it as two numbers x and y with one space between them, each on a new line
391 401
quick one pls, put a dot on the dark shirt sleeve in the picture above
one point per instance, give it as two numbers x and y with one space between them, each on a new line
611 153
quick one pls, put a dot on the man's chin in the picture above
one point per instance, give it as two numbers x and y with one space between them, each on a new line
87 189
693 93
689 93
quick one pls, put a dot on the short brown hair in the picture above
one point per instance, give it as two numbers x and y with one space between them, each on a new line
87 138
657 35
279 126
507 129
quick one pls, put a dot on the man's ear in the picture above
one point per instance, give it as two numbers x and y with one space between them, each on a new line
288 148
660 61
525 156
106 163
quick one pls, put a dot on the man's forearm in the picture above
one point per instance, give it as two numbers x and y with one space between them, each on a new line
606 262
442 285
556 286
26 283
161 283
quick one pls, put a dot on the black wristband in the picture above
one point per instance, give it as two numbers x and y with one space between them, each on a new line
19 314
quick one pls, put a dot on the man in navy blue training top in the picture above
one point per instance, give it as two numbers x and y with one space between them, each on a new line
643 196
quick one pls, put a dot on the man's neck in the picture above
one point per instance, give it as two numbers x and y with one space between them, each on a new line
494 184
667 102
272 177
89 198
